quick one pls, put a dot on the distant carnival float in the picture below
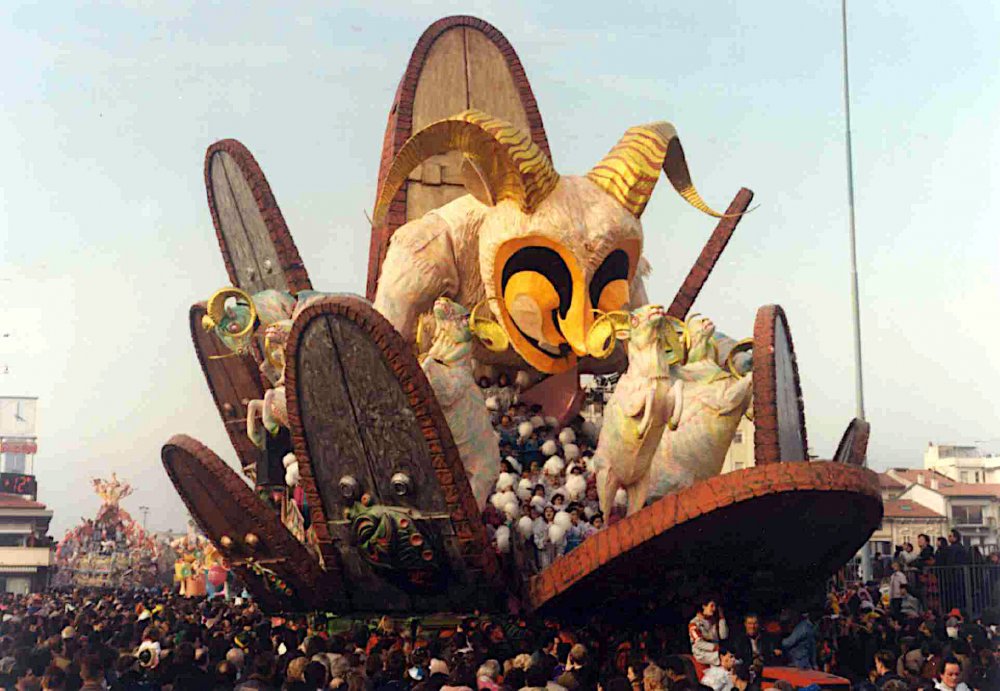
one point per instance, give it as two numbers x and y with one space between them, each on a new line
110 550
199 568
371 430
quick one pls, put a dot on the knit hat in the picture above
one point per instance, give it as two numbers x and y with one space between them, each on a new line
553 466
505 482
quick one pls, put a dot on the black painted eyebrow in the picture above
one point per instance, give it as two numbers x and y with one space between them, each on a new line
613 268
546 262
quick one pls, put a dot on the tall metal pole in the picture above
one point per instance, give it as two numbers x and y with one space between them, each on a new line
859 390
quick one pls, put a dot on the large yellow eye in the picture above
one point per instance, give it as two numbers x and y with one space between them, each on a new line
609 290
614 297
531 299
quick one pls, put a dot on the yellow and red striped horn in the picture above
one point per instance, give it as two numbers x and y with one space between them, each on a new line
504 158
630 170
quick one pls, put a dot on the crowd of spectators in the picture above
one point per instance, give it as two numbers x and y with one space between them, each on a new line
129 641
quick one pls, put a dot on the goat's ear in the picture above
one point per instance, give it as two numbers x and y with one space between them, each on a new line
476 183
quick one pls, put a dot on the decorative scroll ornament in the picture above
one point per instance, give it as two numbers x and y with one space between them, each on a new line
235 323
501 161
631 169
389 539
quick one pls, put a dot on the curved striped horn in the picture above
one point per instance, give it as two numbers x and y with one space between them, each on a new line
630 170
505 162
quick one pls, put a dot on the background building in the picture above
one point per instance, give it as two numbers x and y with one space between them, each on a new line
970 507
26 553
967 464
902 521
740 453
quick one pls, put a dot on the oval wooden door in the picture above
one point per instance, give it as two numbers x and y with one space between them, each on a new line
256 244
853 446
779 416
458 63
390 502
275 567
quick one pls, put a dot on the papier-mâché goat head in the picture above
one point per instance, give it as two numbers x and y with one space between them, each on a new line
554 252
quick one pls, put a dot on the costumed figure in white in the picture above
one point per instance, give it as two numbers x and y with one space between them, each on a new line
644 402
448 367
715 398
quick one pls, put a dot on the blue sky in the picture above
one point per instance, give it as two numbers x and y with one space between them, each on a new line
105 236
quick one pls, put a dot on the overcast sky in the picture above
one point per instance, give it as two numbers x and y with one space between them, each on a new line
106 239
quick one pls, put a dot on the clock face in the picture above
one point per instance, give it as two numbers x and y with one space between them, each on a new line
17 417
15 483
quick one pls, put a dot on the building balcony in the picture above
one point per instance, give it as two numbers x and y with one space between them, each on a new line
28 557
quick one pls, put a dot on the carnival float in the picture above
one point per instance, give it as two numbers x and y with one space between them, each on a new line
199 568
366 427
110 550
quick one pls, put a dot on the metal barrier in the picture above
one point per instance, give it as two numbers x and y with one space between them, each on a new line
972 588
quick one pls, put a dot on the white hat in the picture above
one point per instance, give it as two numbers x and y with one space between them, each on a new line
501 499
505 482
525 429
502 538
576 486
514 463
551 421
512 510
549 448
571 451
539 503
553 466
556 533
525 526
538 421
562 518
492 403
621 497
567 435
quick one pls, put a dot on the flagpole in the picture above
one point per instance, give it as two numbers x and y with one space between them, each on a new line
866 566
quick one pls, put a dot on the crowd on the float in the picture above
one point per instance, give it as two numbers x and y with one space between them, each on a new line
545 497
125 641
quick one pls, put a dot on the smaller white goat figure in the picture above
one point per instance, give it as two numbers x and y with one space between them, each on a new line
448 367
643 404
714 400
